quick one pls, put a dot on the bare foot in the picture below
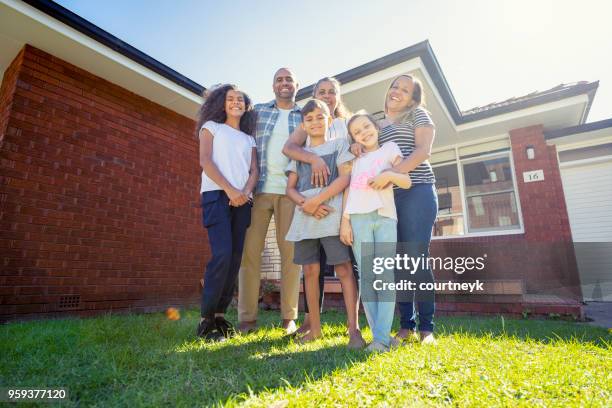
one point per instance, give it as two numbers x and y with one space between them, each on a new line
406 335
247 327
304 328
356 340
394 343
308 337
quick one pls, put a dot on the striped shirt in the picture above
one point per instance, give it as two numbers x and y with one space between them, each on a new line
267 114
403 135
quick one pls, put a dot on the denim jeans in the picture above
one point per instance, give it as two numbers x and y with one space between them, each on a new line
417 209
226 227
375 236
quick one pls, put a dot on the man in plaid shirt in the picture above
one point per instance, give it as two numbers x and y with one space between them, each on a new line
276 120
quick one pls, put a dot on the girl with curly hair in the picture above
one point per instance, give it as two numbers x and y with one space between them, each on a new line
228 158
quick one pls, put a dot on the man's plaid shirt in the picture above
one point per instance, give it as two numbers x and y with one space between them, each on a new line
267 115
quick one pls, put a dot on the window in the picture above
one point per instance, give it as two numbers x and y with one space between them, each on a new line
450 210
489 195
476 192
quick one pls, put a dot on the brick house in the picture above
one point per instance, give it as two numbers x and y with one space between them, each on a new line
99 178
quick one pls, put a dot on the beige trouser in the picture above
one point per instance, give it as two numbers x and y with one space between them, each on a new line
264 205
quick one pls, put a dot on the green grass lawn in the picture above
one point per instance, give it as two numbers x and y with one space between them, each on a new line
147 360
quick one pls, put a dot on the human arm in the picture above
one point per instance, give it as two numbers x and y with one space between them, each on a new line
335 188
346 230
423 141
211 170
389 176
294 149
357 149
249 187
291 191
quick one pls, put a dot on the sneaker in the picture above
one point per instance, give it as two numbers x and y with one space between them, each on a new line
208 331
225 327
427 337
289 326
376 347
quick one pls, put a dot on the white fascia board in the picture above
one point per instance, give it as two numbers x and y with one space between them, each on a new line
533 110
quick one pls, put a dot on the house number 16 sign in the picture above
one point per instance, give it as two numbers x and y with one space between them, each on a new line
531 176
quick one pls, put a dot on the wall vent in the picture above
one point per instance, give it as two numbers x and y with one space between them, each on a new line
70 302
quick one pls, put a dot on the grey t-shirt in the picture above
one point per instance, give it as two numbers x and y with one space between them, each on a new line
303 226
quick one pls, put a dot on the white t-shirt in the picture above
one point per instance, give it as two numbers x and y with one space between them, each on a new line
276 161
232 152
362 198
337 129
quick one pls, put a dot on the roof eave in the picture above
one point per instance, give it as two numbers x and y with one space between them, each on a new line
579 89
583 128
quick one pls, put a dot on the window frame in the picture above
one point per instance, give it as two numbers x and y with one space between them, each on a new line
458 162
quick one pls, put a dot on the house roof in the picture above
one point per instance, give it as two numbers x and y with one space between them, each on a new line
558 92
91 30
424 51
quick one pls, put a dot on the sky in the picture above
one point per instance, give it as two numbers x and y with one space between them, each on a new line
488 50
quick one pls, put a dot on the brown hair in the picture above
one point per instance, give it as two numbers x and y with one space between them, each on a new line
361 114
417 96
313 104
341 110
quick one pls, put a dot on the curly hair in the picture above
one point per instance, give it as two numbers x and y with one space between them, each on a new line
341 110
213 109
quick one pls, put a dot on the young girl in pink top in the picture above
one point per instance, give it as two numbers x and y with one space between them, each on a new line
369 224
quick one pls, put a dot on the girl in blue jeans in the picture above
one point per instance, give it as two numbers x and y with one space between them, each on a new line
369 223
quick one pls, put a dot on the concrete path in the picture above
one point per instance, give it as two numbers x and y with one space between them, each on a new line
600 313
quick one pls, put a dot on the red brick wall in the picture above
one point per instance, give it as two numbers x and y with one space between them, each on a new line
99 195
544 212
543 257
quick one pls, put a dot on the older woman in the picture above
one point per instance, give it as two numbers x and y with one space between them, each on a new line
408 124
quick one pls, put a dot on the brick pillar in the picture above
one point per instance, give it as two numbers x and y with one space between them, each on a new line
551 261
543 203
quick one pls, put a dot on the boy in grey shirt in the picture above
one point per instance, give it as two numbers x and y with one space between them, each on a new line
309 230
